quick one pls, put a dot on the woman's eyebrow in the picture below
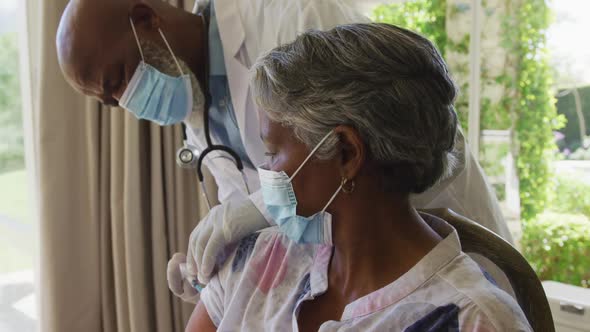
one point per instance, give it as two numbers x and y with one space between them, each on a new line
265 137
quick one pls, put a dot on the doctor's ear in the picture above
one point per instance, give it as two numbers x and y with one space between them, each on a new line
352 151
144 17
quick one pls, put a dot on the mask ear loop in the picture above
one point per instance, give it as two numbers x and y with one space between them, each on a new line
311 154
136 39
333 198
170 49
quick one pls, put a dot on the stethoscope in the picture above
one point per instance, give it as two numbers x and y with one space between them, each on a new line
188 156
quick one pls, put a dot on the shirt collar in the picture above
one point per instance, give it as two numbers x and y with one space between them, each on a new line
442 254
319 269
216 61
230 24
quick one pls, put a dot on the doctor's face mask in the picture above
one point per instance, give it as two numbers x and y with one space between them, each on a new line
163 89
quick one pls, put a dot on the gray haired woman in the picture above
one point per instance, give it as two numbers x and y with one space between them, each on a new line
355 120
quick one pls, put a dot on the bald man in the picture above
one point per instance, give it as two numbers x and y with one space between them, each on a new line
98 53
156 61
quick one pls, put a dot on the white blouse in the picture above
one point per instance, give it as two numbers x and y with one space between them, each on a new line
267 277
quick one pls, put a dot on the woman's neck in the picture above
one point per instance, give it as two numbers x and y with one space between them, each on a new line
376 241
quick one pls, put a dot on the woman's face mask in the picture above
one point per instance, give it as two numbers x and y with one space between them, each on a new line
281 202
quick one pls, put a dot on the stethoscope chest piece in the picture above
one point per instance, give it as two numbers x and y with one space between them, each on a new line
187 156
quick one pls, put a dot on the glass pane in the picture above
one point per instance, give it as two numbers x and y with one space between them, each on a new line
17 244
535 152
559 238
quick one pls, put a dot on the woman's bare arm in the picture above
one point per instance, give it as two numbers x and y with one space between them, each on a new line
200 320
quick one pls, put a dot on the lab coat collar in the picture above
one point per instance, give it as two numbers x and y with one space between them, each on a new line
229 22
233 38
230 26
199 6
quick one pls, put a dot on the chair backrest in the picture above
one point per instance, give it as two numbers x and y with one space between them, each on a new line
527 287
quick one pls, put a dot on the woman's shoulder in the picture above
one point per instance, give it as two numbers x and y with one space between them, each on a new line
264 265
264 273
263 242
266 253
483 303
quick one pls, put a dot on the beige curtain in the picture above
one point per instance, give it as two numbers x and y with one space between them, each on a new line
112 204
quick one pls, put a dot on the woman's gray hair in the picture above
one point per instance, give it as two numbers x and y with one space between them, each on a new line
389 83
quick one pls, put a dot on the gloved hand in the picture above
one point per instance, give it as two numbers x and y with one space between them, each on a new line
224 225
179 281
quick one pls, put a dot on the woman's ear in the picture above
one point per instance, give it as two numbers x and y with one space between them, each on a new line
352 151
144 17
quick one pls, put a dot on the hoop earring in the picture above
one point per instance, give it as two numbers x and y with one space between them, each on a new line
347 185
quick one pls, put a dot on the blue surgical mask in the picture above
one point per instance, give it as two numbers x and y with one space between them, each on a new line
155 96
281 204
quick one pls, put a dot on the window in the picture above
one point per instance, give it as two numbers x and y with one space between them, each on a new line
17 241
536 153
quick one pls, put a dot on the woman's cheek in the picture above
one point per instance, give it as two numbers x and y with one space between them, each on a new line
280 163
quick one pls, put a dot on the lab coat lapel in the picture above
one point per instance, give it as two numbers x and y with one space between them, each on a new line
232 38
230 27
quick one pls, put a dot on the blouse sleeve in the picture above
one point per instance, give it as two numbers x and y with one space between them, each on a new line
212 297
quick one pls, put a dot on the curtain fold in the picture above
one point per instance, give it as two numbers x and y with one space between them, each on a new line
113 205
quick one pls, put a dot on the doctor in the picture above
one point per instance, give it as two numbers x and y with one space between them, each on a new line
169 66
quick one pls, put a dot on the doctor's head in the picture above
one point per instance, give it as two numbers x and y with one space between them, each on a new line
383 92
98 51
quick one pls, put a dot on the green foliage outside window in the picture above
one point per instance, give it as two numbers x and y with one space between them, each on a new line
581 153
533 104
528 106
427 17
11 132
558 246
573 197
566 105
557 242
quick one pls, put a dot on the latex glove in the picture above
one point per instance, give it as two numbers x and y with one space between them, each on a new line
179 280
224 225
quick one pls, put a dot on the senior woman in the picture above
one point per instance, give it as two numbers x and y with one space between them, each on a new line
355 120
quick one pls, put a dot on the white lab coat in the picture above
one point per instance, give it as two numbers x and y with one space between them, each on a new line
250 28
